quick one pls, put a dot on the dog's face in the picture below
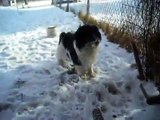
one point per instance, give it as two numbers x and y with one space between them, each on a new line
87 35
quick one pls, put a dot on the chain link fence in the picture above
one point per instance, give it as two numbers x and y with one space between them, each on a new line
140 19
104 10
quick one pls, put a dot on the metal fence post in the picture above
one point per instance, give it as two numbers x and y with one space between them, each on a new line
60 3
52 2
67 8
88 7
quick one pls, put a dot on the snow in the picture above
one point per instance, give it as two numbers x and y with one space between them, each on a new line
34 87
103 10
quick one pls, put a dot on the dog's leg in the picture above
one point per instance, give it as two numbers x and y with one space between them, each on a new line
63 63
91 71
79 70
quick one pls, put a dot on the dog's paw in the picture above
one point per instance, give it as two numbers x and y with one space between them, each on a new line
92 72
71 70
88 76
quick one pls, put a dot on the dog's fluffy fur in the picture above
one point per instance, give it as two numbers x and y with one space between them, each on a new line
80 47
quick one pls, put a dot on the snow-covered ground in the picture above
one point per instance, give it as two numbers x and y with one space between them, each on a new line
34 87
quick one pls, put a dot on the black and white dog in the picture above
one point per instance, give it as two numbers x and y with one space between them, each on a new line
81 48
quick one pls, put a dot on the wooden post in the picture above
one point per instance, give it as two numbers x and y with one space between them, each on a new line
144 91
60 3
54 2
67 8
26 2
88 7
138 62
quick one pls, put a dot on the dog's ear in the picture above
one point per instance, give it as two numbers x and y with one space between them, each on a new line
95 27
61 36
96 31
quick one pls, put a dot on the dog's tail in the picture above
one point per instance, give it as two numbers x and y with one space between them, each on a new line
61 36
